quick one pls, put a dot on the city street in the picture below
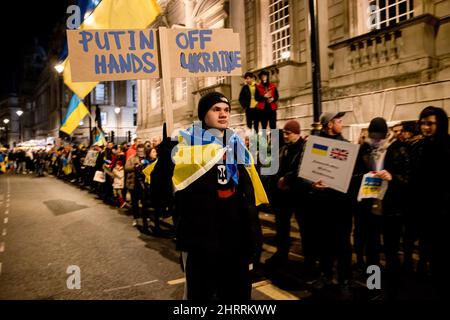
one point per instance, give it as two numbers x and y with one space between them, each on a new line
48 225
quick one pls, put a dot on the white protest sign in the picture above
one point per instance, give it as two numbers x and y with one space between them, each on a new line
372 187
329 160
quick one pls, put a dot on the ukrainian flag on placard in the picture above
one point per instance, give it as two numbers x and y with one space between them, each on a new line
113 14
319 149
76 111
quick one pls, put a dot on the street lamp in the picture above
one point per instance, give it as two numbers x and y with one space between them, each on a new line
117 111
59 67
19 114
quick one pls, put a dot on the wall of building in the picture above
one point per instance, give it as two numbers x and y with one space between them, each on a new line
393 72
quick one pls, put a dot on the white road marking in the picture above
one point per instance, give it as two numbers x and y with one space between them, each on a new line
5 221
276 293
131 286
2 247
4 232
176 281
7 205
6 212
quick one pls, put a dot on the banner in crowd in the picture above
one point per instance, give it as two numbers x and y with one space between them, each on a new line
372 187
108 55
331 161
204 53
91 158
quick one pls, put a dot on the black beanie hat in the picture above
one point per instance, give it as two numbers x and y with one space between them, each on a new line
378 128
207 101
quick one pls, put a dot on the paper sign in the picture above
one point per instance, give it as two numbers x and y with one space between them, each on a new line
372 187
91 158
108 55
329 160
204 53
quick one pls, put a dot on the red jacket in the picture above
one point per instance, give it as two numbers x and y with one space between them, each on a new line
259 95
130 152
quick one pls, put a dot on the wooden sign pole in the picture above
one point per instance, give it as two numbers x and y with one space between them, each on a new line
166 78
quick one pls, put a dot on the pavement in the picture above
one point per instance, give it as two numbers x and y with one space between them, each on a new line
53 234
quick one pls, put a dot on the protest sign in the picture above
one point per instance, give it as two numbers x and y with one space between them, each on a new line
91 158
204 52
108 55
329 160
372 187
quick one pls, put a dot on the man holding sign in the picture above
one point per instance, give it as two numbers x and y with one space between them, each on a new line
382 172
331 214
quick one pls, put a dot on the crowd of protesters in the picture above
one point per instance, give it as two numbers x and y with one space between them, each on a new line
412 158
414 212
110 171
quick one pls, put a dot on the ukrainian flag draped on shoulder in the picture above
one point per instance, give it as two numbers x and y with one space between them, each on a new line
113 14
198 151
76 111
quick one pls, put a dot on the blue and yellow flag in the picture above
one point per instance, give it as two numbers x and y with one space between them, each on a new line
199 151
76 111
148 171
113 14
99 139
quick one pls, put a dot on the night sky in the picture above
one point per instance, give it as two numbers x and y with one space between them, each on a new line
21 22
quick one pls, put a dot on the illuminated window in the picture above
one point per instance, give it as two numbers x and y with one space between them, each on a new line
386 13
280 30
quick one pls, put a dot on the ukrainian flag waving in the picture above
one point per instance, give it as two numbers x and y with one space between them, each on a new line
75 113
198 152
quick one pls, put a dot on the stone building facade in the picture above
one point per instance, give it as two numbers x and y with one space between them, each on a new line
385 58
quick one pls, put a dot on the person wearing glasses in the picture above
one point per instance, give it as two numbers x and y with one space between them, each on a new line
431 194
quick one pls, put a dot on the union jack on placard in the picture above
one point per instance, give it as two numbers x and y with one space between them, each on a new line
339 154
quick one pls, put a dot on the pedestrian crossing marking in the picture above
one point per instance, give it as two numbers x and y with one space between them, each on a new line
130 286
4 233
176 281
276 293
5 221
6 212
2 247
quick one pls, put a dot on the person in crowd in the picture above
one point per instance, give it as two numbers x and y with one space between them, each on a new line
389 160
21 161
132 150
267 96
397 131
212 200
118 175
332 220
431 194
248 102
135 184
285 186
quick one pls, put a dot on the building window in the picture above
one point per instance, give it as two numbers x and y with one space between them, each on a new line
280 30
183 89
100 94
384 13
135 119
104 118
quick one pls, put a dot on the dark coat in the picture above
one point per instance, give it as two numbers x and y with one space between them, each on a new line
245 97
430 177
212 225
397 163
